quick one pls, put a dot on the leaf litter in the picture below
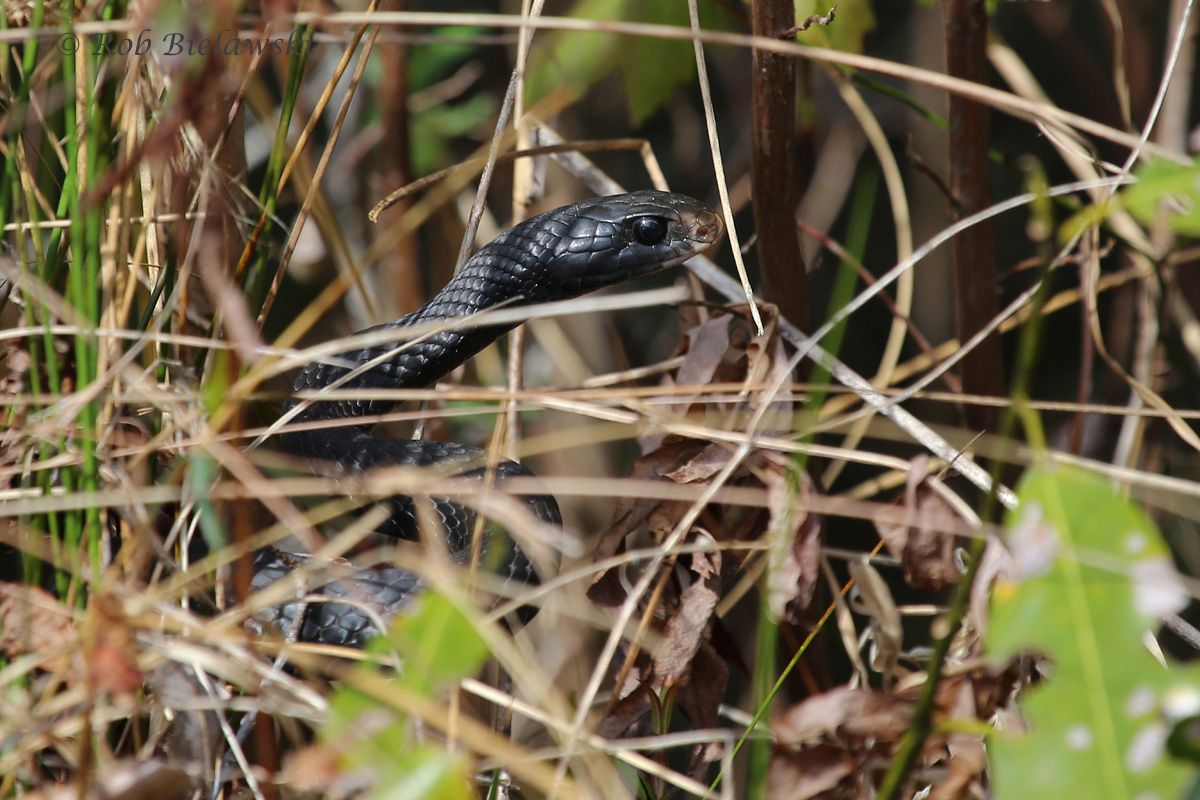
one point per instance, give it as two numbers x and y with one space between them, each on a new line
838 741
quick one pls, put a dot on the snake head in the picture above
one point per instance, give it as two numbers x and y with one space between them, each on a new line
609 240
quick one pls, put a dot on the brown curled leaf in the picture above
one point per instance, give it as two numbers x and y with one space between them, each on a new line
796 534
966 759
700 698
808 773
111 653
844 714
686 627
685 631
33 621
704 348
925 551
128 779
632 512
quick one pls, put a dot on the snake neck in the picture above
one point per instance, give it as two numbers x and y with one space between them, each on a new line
511 270
558 255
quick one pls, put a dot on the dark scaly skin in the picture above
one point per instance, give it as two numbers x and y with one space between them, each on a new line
558 255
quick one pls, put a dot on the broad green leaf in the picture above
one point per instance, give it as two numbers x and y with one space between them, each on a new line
854 20
425 773
439 646
1088 216
368 734
375 741
1090 576
432 62
1166 193
651 69
574 59
437 126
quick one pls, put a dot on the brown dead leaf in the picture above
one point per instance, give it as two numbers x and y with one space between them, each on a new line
700 698
704 348
680 460
672 663
966 759
700 467
683 659
925 551
707 344
685 629
859 728
33 621
111 653
632 512
876 602
188 736
126 780
806 774
317 769
844 714
767 364
992 688
626 712
795 554
712 354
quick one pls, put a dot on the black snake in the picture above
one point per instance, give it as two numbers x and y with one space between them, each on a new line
557 255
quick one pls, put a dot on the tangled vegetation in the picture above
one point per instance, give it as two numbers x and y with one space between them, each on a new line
919 520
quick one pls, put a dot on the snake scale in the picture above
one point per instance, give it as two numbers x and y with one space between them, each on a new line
558 255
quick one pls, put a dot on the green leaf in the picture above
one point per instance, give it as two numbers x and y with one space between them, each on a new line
438 645
1090 576
368 735
854 20
652 69
202 473
1168 194
425 773
432 62
437 126
1090 215
215 390
374 741
574 59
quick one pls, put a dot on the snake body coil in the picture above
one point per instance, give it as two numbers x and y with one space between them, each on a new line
558 255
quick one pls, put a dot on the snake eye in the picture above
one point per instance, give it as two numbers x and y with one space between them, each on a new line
649 230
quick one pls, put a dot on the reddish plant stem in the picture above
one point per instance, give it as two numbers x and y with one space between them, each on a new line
976 284
773 170
394 150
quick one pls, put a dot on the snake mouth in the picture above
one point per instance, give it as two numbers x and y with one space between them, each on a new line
706 228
